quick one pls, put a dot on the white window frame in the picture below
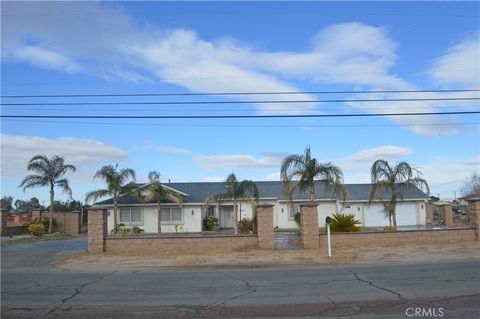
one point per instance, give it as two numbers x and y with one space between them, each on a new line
130 223
170 222
292 210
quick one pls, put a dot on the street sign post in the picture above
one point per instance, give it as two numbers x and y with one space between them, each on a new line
328 221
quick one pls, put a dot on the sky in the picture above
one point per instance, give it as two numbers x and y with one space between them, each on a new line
349 48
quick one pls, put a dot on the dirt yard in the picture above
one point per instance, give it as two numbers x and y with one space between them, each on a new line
261 258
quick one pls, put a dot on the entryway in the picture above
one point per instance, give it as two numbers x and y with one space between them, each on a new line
287 240
226 216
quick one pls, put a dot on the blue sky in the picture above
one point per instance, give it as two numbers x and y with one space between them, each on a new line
183 47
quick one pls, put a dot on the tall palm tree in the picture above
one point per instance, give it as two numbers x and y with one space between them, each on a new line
117 184
50 172
159 193
235 190
391 180
302 170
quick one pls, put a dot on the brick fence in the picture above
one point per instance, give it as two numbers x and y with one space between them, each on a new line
67 222
399 238
99 242
309 225
3 222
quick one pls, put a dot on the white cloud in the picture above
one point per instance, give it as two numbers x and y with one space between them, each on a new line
45 58
172 150
363 160
83 153
218 162
110 44
460 65
275 176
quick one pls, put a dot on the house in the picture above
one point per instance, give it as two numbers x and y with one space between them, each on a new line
189 217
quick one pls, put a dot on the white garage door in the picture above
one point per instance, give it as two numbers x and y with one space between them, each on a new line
375 215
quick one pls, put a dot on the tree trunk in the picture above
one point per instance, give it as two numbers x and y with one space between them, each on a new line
159 218
115 208
394 216
50 223
235 226
313 195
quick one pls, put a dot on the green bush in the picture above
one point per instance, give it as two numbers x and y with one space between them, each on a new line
210 223
137 230
297 218
344 223
36 229
246 226
120 229
45 220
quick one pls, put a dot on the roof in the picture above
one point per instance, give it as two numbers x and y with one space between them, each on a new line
199 191
472 197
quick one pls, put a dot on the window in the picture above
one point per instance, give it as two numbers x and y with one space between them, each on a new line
292 210
171 214
131 215
211 211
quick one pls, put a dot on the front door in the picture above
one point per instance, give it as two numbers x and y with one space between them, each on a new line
226 216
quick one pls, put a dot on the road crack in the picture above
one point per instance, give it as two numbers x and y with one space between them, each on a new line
76 292
372 284
250 291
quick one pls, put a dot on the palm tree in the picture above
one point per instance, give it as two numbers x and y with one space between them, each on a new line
301 171
391 180
50 174
235 190
159 193
117 184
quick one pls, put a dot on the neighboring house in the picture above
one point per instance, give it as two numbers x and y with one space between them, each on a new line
189 217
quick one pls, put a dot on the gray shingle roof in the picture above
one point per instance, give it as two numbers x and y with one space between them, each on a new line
198 191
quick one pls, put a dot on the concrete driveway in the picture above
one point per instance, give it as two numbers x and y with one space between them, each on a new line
77 244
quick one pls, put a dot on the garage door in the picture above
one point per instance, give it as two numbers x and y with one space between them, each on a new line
375 215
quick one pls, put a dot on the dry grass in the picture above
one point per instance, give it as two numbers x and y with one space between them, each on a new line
262 258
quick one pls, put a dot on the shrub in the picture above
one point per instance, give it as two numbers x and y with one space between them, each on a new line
45 220
210 223
137 230
36 229
297 218
389 228
344 223
246 226
120 229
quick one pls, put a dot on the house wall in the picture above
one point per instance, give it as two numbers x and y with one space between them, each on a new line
192 222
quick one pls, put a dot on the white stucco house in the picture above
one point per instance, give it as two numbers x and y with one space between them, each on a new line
189 217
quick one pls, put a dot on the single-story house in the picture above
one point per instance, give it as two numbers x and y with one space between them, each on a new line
189 217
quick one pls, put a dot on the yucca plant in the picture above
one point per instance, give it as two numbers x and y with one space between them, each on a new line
344 223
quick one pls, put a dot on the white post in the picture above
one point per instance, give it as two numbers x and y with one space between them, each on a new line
329 241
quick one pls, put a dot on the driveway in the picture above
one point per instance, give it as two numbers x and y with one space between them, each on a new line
77 244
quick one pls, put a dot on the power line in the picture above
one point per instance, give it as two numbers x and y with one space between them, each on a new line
239 125
244 102
234 93
233 116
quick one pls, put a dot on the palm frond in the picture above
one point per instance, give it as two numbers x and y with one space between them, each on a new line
94 195
31 181
64 186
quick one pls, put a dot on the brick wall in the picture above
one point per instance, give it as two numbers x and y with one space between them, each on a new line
17 230
3 222
97 231
475 217
429 215
447 215
401 238
309 225
265 226
174 244
67 222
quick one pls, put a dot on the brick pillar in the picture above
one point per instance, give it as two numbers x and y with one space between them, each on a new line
97 231
265 226
36 213
475 217
309 225
447 215
429 215
3 222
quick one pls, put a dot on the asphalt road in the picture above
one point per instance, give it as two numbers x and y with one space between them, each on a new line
33 288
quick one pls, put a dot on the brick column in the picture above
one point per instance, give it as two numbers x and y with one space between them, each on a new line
309 225
429 215
3 222
97 231
36 213
475 217
265 226
447 215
